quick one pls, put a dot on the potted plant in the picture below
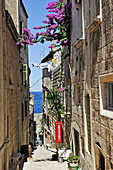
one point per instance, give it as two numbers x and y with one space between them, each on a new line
74 162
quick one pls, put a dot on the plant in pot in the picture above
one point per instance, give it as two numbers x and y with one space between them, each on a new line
74 162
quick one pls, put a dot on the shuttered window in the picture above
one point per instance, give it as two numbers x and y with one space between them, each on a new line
77 148
88 122
21 27
7 126
79 19
26 108
22 112
97 3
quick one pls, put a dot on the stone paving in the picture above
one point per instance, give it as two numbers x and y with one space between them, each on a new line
42 160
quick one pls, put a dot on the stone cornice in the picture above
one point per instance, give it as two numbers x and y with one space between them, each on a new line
79 43
95 24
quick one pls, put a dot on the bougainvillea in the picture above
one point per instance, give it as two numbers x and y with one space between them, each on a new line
56 26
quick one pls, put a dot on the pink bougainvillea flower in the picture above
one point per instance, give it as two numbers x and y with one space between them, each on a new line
23 36
37 34
22 40
54 26
46 21
42 33
31 37
26 30
65 42
79 157
48 31
31 43
51 46
55 10
58 41
50 17
70 156
40 27
58 16
22 44
60 12
17 43
51 5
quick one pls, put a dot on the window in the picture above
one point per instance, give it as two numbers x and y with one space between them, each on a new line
106 95
22 113
68 99
110 95
82 145
87 101
48 121
97 4
21 27
99 158
11 70
24 75
25 108
7 126
77 148
78 6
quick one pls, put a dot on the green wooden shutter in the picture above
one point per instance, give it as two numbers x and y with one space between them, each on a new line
25 77
88 122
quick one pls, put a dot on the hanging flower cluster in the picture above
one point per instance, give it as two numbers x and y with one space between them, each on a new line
56 26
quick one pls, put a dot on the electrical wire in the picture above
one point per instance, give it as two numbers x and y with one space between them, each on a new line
36 82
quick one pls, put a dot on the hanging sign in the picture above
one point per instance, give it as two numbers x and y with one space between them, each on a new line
58 136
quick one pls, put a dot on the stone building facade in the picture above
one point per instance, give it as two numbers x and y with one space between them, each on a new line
91 83
14 118
59 77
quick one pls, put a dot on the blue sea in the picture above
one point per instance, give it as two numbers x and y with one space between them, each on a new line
37 101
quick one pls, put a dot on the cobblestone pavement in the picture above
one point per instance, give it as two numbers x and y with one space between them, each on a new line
42 160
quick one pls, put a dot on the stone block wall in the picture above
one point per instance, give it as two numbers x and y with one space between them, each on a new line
90 61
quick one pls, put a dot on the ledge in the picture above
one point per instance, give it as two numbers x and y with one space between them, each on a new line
106 113
95 24
78 43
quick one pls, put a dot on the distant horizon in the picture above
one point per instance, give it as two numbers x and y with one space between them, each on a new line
35 91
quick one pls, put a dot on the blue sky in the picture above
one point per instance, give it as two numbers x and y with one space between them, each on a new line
36 10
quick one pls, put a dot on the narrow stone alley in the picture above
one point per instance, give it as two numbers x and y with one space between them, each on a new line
42 160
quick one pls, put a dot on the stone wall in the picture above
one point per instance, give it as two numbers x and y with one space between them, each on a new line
91 67
3 108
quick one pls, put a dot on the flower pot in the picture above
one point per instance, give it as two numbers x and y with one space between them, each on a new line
73 165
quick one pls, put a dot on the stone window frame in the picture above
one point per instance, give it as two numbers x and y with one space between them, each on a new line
97 20
99 149
87 91
74 126
79 40
105 110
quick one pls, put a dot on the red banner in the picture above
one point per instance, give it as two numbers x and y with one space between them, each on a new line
58 136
